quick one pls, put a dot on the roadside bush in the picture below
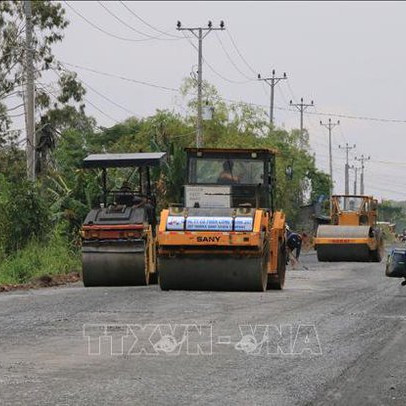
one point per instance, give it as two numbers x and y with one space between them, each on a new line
24 215
37 259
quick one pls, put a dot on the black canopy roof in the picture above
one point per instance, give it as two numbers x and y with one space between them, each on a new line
124 160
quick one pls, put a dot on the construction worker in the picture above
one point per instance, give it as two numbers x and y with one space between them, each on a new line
226 177
294 243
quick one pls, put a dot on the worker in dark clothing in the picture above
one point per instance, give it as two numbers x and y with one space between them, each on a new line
294 242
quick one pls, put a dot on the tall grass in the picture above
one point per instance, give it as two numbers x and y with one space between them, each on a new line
37 259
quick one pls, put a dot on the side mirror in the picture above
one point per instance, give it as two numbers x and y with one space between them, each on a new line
289 172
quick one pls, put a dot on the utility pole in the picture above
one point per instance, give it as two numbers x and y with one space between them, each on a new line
362 159
355 179
302 107
30 93
200 33
272 81
330 125
347 167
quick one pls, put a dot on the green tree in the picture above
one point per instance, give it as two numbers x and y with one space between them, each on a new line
24 215
57 107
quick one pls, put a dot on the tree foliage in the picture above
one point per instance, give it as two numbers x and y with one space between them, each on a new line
59 104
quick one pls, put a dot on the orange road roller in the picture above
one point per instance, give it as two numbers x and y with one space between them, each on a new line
352 235
226 234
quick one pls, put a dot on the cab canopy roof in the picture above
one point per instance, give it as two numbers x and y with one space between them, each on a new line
124 160
363 196
230 151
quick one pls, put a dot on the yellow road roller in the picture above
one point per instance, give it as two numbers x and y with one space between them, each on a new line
352 235
226 234
119 235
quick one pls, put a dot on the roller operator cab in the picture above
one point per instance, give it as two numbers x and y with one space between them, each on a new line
119 235
352 234
225 235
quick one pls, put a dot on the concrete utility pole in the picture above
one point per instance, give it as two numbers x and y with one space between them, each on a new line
30 93
362 159
330 125
200 33
302 107
347 167
355 179
272 82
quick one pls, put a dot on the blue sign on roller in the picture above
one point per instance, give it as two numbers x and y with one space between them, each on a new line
243 224
209 223
175 223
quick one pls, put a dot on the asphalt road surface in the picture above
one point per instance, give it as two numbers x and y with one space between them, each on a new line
336 335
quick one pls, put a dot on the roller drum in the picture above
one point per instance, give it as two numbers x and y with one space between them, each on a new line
325 231
215 272
345 252
114 263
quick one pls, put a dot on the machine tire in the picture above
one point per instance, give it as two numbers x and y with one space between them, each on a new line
264 269
276 282
376 256
153 278
162 284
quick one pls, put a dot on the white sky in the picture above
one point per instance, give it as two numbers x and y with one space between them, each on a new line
347 57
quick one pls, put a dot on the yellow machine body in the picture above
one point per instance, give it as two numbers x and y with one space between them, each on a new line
353 235
252 259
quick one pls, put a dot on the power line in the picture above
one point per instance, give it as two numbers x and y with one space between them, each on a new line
231 60
15 107
240 54
107 98
103 30
104 96
215 72
131 27
317 113
148 24
87 101
294 98
384 120
140 82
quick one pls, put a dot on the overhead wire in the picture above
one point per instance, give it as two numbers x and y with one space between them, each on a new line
105 97
15 107
141 82
231 60
87 101
294 98
226 99
239 53
213 70
95 26
148 24
115 16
